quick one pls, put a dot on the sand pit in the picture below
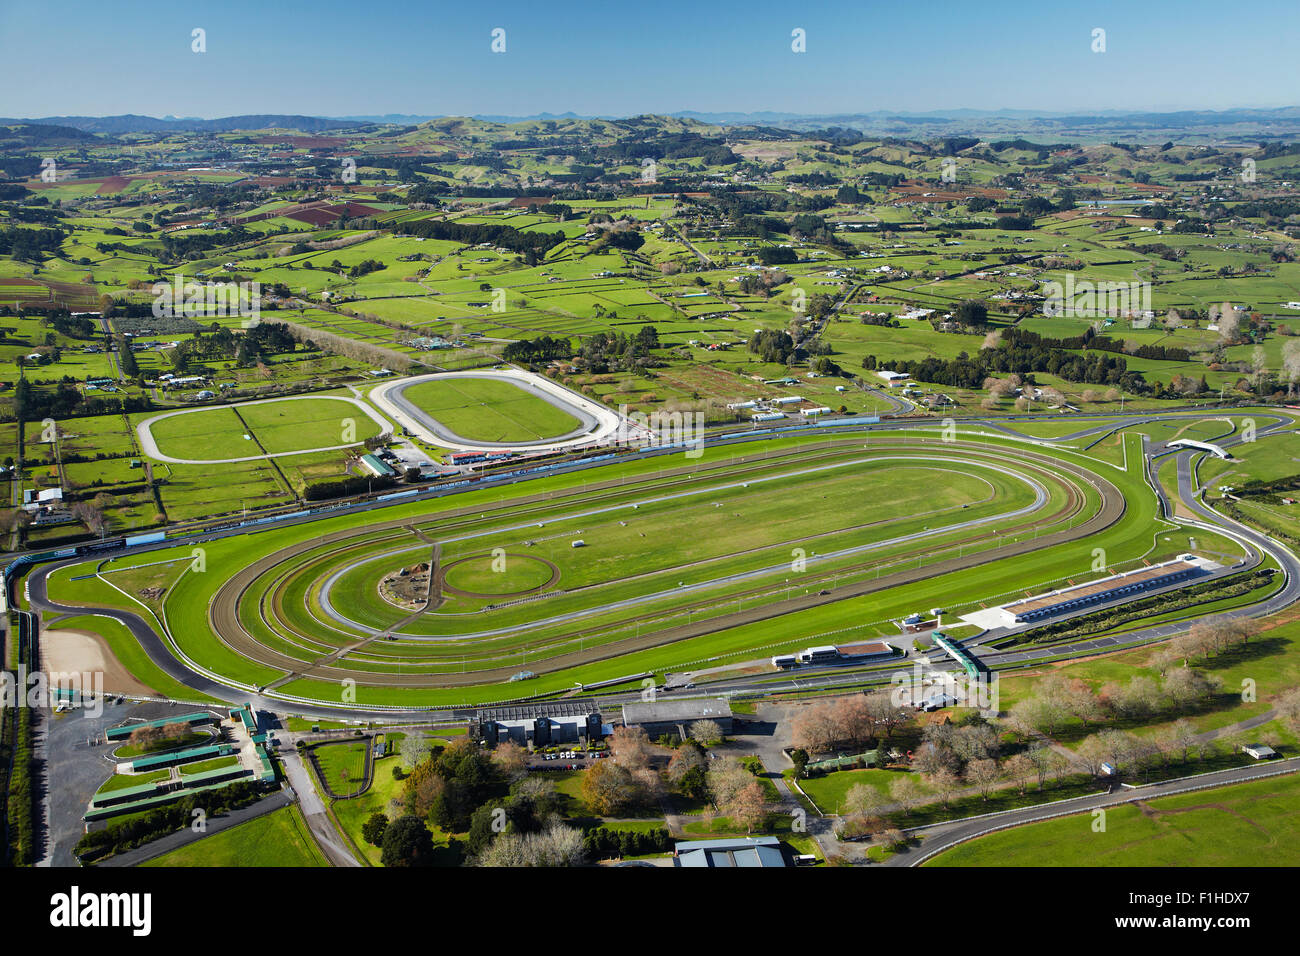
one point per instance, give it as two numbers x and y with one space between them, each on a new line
76 651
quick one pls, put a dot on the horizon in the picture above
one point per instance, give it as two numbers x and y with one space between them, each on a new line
394 116
297 59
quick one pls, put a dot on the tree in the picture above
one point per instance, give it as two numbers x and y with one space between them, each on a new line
747 806
934 757
815 729
983 775
1288 708
407 842
972 313
686 758
372 831
630 747
415 749
799 757
944 783
863 800
1186 688
1020 768
905 792
727 778
707 732
1048 763
511 758
1092 753
608 788
976 742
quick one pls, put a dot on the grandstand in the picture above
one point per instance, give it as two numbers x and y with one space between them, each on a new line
1127 584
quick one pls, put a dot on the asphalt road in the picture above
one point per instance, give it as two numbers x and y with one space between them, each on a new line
944 836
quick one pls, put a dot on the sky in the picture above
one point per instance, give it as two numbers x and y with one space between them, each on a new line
619 58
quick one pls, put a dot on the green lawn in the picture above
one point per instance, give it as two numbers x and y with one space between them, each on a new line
1249 824
279 838
343 765
271 428
490 410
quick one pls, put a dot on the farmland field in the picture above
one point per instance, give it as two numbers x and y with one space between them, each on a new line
1238 825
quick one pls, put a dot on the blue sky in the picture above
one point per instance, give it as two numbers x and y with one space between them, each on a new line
620 58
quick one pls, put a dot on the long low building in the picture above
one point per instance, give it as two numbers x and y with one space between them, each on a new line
1127 584
675 716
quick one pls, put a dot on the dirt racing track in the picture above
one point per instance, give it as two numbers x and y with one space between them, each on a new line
286 611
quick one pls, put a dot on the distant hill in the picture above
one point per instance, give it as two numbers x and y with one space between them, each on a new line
131 123
1281 123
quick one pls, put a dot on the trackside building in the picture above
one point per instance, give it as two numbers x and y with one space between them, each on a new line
1120 586
676 716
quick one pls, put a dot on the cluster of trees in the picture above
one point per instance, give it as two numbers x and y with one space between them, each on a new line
605 843
64 400
777 255
970 372
365 267
346 487
1206 639
1020 338
1019 354
858 721
538 351
510 817
73 326
182 246
1057 699
713 150
619 352
954 749
772 345
448 785
28 245
247 348
529 244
